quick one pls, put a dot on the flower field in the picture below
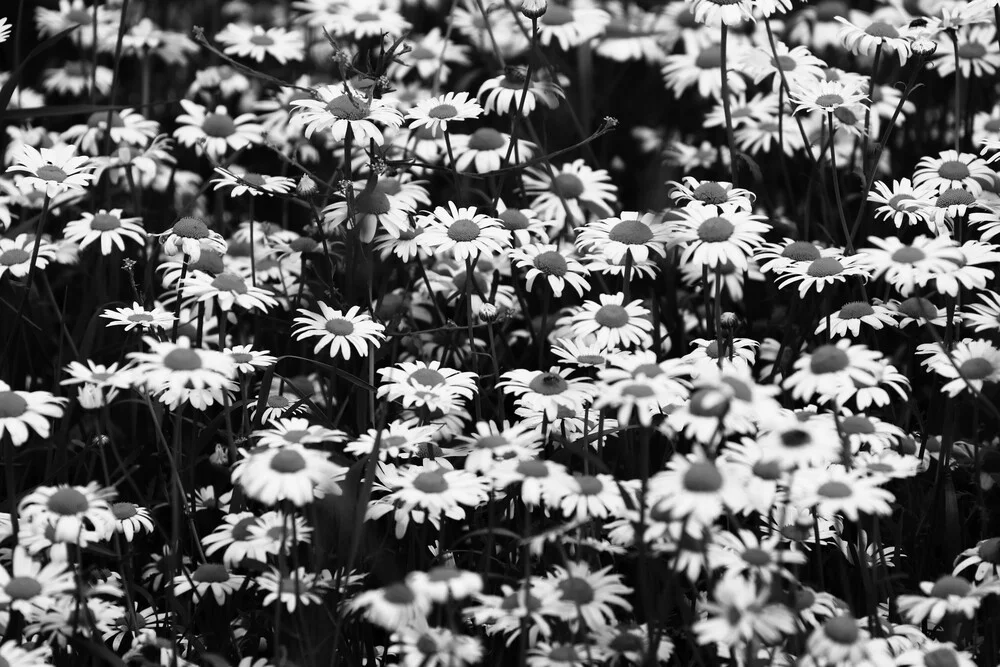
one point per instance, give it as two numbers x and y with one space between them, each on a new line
439 333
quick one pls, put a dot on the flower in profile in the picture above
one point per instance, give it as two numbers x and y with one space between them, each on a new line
572 192
131 519
571 25
52 170
189 237
714 193
435 113
242 182
109 227
138 316
208 578
967 366
435 647
228 290
392 607
5 28
506 93
256 43
339 330
839 640
865 40
851 316
128 127
826 96
289 472
701 65
948 596
16 255
216 132
340 108
486 149
24 411
294 589
985 557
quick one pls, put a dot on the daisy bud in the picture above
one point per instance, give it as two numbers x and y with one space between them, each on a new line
488 312
306 186
220 457
533 9
924 47
730 323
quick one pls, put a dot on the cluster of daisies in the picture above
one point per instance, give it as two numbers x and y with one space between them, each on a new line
349 359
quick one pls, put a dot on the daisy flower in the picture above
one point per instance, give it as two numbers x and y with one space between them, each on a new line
365 20
741 614
826 96
425 492
21 411
216 132
985 557
583 497
572 191
830 368
613 323
701 65
839 640
795 444
131 520
544 654
904 266
5 29
398 440
798 64
445 583
978 54
29 587
52 170
462 233
339 108
75 514
249 360
107 226
949 595
392 607
546 261
435 113
900 202
373 209
984 316
209 578
743 554
836 491
547 390
431 56
638 236
571 25
11 652
506 94
435 647
694 488
851 316
256 43
189 237
968 365
176 372
930 653
294 589
592 596
486 149
251 183
127 127
339 330
16 255
691 190
864 40
712 235
288 472
228 290
137 316
76 77
951 169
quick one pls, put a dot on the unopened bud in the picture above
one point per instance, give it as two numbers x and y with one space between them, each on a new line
307 186
533 8
923 47
488 312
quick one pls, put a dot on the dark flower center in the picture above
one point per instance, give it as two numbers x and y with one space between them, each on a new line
989 550
715 230
950 585
463 230
182 359
855 310
857 424
702 478
882 29
345 107
514 220
976 368
261 40
709 402
124 510
631 232
22 588
14 256
241 530
784 63
757 557
612 316
99 118
971 50
552 263
50 172
568 186
373 203
227 282
427 376
218 125
841 629
104 222
548 384
954 170
211 573
834 489
486 139
339 327
829 100
431 482
801 251
557 15
576 590
288 461
589 485
828 359
67 501
710 193
709 57
190 228
443 111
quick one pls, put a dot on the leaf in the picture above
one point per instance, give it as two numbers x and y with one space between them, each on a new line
69 110
752 165
8 88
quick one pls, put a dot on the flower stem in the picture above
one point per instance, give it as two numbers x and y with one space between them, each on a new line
836 187
727 107
39 229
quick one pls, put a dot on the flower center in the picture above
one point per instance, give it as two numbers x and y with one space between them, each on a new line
834 489
795 438
278 401
567 186
443 111
565 653
124 510
828 359
589 485
857 424
918 308
709 57
427 376
825 267
612 316
513 220
67 501
99 118
829 100
855 310
954 170
261 40
710 403
228 282
769 470
104 222
702 478
557 15
432 481
631 232
50 172
801 251
345 107
339 327
756 557
548 384
140 317
78 16
955 197
941 657
882 29
211 573
626 642
14 256
288 461
182 359
841 629
218 125
784 63
637 390
190 228
971 50
908 255
576 590
516 601
23 588
463 230
552 263
486 139
976 368
366 16
241 530
715 230
949 585
845 115
710 193
989 550
533 468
